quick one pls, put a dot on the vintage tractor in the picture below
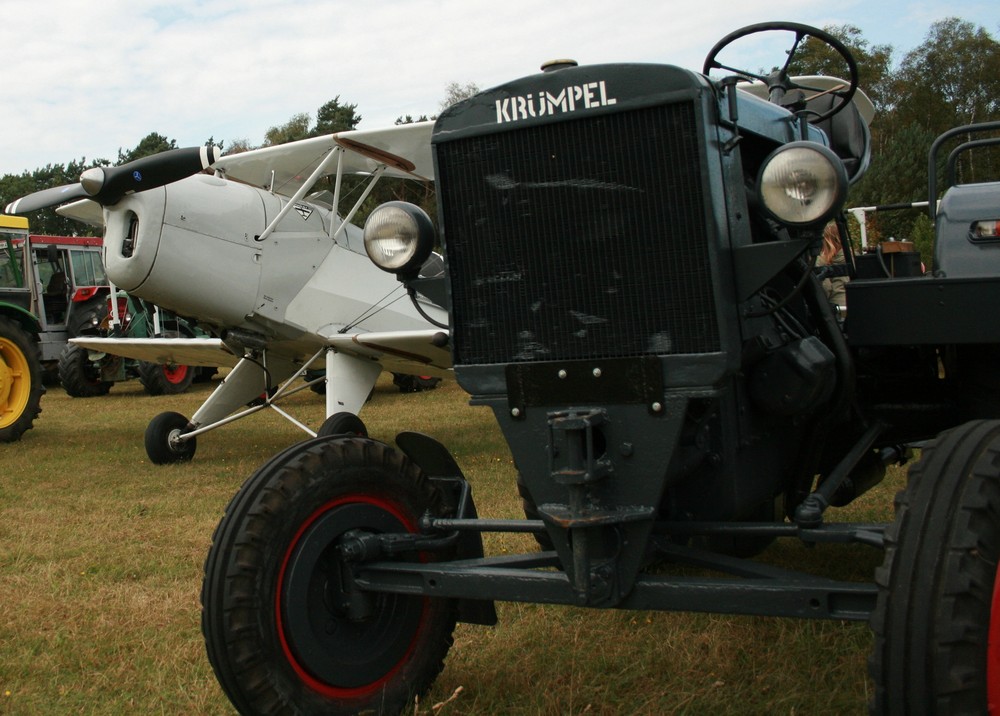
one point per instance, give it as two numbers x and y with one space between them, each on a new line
632 290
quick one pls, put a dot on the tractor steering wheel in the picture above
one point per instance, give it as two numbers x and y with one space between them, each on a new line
778 82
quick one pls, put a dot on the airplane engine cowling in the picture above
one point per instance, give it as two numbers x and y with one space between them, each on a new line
189 247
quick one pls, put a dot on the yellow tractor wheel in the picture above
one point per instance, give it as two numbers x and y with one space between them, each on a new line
20 381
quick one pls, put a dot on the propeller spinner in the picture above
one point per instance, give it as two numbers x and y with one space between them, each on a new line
107 185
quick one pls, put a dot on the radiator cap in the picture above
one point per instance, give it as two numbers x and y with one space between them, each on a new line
553 65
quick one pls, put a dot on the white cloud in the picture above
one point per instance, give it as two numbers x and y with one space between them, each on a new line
88 79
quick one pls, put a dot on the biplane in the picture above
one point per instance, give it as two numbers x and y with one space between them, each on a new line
269 266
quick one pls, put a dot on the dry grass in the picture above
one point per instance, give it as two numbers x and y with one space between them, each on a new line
100 569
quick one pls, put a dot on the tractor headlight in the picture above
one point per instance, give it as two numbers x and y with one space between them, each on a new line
802 183
399 237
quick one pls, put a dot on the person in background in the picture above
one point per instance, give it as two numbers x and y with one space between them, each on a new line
832 255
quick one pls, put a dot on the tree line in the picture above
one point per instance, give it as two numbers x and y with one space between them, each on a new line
952 78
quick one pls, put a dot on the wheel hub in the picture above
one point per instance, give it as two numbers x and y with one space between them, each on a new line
13 391
344 639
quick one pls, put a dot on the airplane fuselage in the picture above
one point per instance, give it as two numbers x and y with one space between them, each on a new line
193 247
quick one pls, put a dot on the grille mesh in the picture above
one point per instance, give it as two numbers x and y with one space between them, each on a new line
578 239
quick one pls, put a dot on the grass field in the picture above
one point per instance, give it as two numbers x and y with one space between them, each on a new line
101 558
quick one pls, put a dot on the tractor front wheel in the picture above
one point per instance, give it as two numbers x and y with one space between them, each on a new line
937 618
285 628
21 386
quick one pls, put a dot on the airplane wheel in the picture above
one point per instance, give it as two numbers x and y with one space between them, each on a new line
281 631
162 445
937 618
342 424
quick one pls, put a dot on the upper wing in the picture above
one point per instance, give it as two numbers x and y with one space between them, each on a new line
179 351
410 352
405 151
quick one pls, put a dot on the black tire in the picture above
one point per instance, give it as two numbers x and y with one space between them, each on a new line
938 592
204 374
21 387
414 383
165 379
161 442
279 641
978 383
86 318
343 424
80 376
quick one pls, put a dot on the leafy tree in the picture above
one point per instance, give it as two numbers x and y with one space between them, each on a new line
874 61
335 117
408 119
294 129
239 145
152 143
953 78
455 93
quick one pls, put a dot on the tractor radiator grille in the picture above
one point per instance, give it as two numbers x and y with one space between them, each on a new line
579 239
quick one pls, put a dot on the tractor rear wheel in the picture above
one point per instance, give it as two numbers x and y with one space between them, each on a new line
21 386
937 618
284 629
168 379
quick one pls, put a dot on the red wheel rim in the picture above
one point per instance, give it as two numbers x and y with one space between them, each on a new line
321 687
175 374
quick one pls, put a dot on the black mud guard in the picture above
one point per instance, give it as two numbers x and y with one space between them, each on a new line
435 461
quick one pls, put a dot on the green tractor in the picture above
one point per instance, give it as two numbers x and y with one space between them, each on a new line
50 289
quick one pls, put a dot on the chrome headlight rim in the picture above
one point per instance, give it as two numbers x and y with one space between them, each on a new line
398 237
802 184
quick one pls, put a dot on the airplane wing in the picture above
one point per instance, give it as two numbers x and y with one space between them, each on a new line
84 210
405 150
410 352
180 351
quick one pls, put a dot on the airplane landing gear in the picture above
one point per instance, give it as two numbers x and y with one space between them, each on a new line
343 423
161 439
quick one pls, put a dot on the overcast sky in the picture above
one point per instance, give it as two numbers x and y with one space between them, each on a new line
85 79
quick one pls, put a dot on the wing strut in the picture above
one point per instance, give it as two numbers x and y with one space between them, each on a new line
364 195
313 178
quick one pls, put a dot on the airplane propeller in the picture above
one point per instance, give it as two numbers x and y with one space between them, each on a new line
107 185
